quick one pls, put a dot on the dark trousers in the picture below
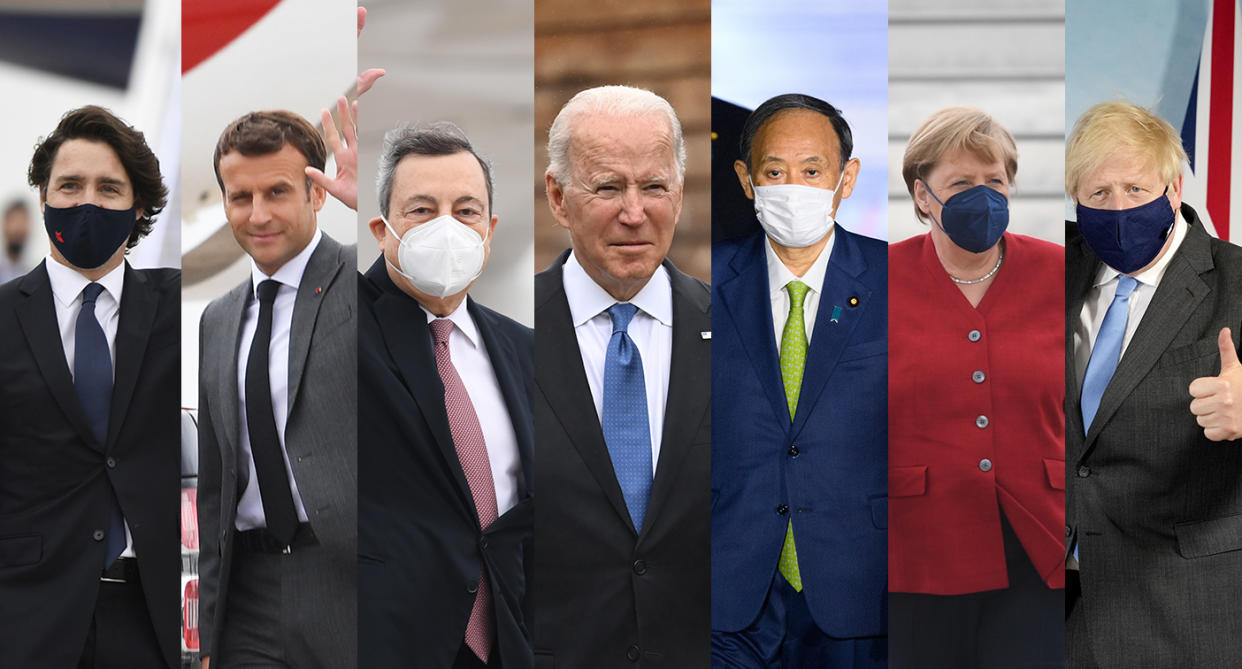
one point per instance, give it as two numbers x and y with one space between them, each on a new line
1020 627
784 636
121 634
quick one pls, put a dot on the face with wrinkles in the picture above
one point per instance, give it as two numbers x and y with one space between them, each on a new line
622 198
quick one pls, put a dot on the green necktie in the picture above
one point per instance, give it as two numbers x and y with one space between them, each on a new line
793 360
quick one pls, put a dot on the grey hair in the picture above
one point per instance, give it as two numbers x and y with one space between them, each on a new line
609 101
442 138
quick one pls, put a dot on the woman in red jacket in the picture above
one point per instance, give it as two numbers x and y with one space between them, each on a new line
976 422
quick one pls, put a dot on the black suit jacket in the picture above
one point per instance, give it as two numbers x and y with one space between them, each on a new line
1155 507
604 595
420 547
56 481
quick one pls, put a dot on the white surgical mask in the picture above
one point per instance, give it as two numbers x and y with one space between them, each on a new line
440 257
793 215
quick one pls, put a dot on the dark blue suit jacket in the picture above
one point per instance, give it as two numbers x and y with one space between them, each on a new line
834 483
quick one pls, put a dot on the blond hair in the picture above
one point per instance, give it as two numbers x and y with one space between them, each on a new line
953 129
1111 126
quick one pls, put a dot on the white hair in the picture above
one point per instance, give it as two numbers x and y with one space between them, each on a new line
608 101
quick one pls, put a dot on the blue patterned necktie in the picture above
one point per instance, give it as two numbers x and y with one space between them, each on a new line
1107 351
92 379
626 430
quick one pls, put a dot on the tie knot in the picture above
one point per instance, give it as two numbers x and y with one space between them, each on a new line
621 314
267 290
1125 286
91 293
441 328
797 293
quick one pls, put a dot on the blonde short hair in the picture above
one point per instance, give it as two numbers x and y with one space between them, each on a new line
952 129
1110 126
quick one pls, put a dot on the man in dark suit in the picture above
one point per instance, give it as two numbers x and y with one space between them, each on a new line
1154 525
622 412
445 446
277 502
799 375
89 420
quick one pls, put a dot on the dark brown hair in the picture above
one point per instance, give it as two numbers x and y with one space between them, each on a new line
265 132
100 125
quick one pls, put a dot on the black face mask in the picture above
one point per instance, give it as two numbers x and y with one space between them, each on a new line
87 235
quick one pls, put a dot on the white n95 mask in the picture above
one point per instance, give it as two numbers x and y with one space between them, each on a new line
793 215
440 257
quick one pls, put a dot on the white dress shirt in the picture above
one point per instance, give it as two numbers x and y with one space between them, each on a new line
1100 297
474 366
779 276
651 330
67 287
250 506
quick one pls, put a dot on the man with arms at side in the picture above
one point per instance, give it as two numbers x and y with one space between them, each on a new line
444 409
89 420
622 417
1154 407
13 232
277 501
800 447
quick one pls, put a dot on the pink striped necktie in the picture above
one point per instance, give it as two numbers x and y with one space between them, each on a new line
472 452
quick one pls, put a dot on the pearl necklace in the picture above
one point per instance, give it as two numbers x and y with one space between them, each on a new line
985 277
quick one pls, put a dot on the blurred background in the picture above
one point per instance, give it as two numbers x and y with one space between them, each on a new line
241 56
58 55
836 52
1176 58
653 44
1006 57
468 62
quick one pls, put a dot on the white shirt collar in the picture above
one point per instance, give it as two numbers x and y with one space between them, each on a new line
67 284
779 275
290 273
1152 275
461 319
587 299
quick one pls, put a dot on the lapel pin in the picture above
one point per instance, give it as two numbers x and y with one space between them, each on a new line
836 314
853 300
705 334
318 289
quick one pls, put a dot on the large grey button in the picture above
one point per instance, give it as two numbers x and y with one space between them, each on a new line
985 465
632 654
111 463
974 335
978 376
97 535
1084 471
1068 532
472 587
640 567
981 422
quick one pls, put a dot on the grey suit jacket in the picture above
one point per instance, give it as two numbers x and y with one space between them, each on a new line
320 438
1155 507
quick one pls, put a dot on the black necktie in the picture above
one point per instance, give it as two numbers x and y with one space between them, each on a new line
269 461
92 379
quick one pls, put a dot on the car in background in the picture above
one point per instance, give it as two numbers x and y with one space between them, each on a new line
189 539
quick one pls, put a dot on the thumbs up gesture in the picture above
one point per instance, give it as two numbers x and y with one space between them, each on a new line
1217 403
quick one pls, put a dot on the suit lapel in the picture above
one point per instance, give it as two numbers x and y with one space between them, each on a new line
689 386
322 269
564 383
501 352
138 305
747 305
225 389
403 326
37 317
841 288
1178 295
1078 281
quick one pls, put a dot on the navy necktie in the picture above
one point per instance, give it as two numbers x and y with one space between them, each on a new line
626 430
92 379
269 460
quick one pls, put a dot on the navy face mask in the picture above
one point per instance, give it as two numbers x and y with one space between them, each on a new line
1127 239
87 235
975 218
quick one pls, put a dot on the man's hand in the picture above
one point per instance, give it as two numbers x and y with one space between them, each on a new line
344 186
206 662
1218 399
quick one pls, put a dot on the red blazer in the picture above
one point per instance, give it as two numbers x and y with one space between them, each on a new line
976 419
